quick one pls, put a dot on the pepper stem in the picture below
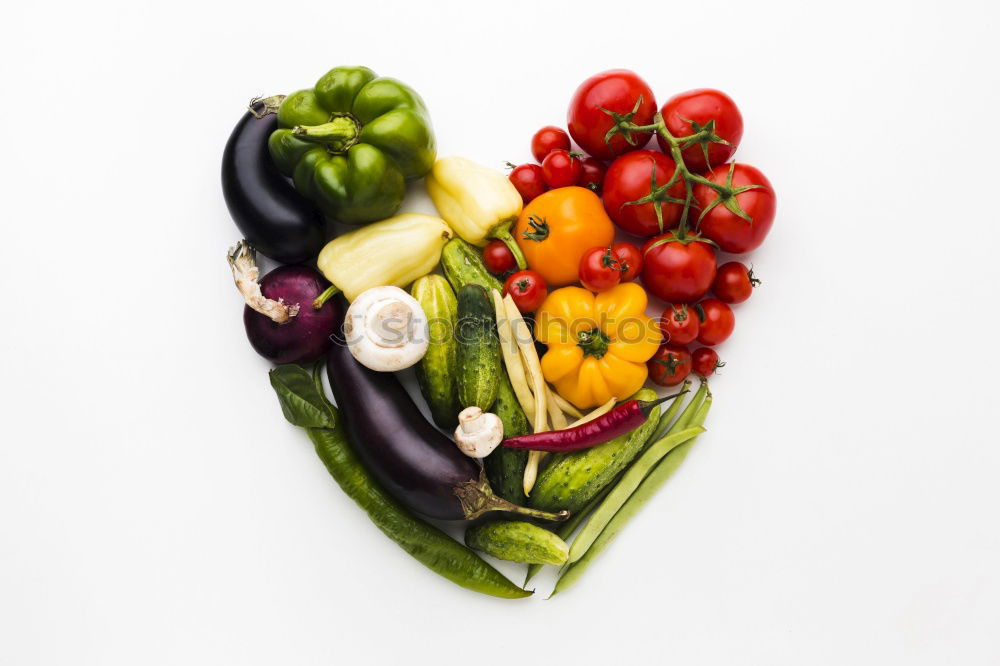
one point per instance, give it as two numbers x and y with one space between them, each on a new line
502 233
646 406
477 498
327 294
338 134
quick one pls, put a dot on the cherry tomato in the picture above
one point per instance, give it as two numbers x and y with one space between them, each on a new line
630 179
561 168
679 325
498 258
629 258
599 269
716 321
591 174
677 271
703 110
734 282
529 181
704 361
547 139
528 290
670 365
721 223
596 104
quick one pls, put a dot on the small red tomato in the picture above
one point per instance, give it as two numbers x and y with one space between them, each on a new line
528 290
547 139
561 168
629 258
709 113
529 181
734 282
498 258
591 174
670 365
677 271
679 325
738 219
704 361
716 321
599 269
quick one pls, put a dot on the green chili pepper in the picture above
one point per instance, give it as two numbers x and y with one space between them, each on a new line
304 404
350 143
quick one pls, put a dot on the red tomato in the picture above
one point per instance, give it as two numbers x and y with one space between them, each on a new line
704 361
547 139
599 269
498 258
561 168
679 325
670 365
528 290
630 179
591 174
529 181
703 110
629 258
600 102
677 271
734 282
750 193
716 321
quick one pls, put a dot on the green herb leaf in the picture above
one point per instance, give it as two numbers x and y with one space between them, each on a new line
302 403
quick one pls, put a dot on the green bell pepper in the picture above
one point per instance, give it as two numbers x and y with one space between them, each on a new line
351 143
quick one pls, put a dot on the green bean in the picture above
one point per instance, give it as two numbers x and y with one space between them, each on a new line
692 407
642 494
427 544
567 527
623 489
668 415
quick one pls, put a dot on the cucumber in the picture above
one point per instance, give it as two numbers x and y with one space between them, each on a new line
478 354
570 480
505 467
463 264
518 541
437 369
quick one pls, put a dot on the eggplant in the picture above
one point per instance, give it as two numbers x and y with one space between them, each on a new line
278 221
408 456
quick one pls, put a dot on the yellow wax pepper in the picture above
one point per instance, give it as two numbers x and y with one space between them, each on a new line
478 202
393 252
598 344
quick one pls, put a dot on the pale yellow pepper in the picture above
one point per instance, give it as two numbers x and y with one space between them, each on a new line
598 345
393 253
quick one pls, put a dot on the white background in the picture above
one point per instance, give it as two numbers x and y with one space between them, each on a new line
155 508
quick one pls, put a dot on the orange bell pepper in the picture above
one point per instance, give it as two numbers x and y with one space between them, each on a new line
598 343
557 227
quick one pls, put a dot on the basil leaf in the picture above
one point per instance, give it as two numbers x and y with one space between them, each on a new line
301 402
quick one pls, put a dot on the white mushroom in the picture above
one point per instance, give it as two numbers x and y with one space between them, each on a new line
386 329
478 432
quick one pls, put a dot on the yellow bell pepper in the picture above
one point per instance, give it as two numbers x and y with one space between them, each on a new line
598 345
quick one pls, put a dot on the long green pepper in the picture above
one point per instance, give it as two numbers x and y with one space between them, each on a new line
304 404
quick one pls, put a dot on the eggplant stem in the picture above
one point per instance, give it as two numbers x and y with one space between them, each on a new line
477 498
243 262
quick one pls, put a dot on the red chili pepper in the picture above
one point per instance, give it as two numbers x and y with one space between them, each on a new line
624 418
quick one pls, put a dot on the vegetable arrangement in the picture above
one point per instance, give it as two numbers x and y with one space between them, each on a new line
522 309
